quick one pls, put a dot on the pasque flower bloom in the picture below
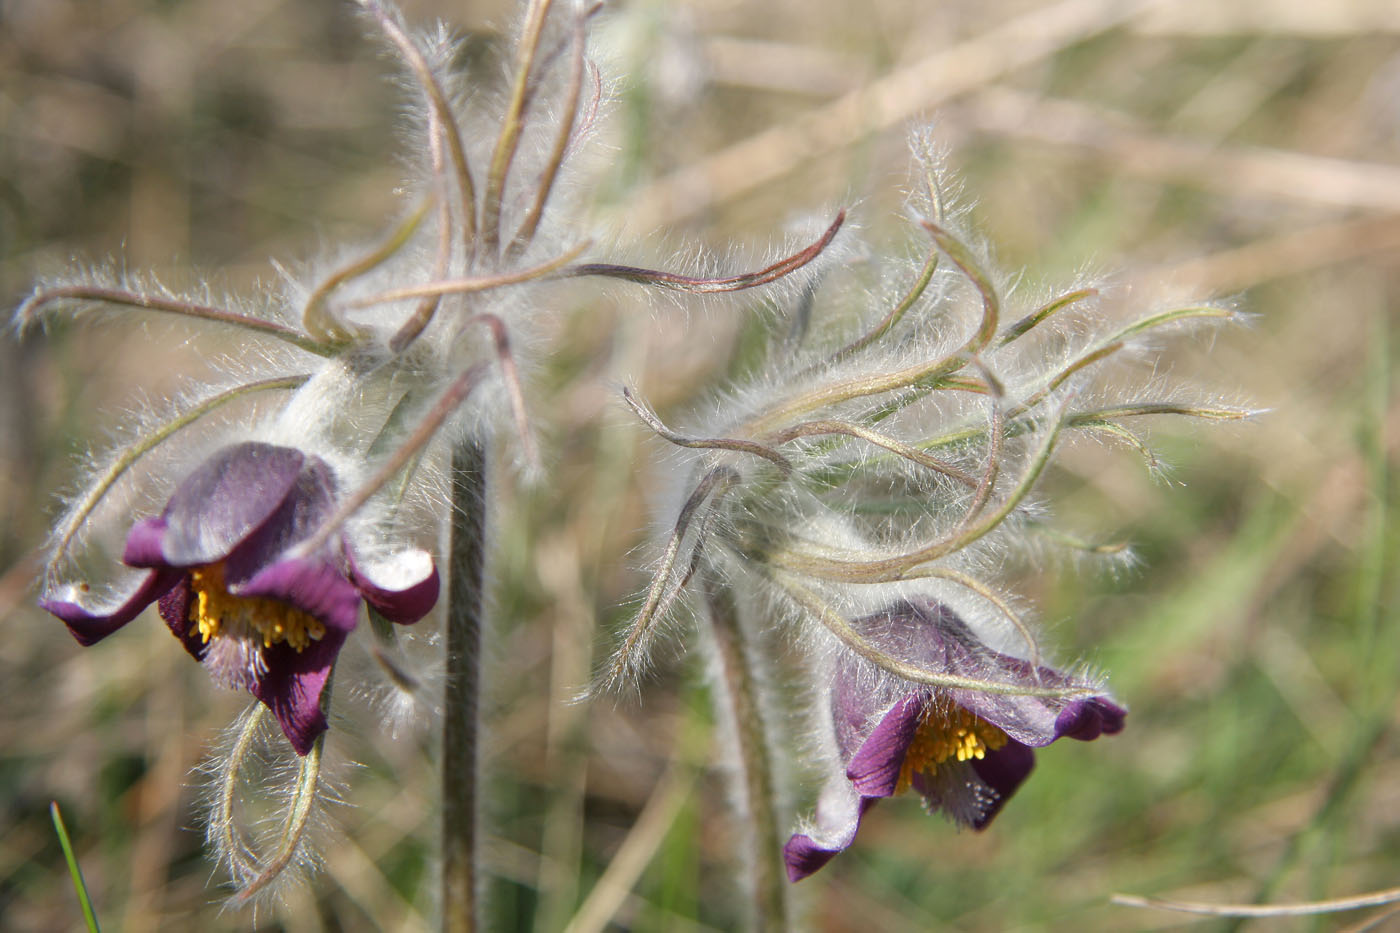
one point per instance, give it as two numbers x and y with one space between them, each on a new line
965 751
228 563
898 466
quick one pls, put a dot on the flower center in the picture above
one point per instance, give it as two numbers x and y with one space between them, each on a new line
219 614
947 732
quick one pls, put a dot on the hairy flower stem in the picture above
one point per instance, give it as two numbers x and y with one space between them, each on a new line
740 688
298 819
466 557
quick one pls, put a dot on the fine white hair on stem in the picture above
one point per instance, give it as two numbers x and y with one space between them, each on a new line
911 452
264 808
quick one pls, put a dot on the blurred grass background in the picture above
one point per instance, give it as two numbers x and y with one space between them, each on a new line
1248 149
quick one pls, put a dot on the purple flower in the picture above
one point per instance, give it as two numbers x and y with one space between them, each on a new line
234 588
964 750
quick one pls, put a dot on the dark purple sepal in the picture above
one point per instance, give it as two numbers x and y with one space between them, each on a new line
1086 720
933 637
1003 770
308 584
174 608
308 504
144 544
404 604
224 502
1029 720
89 626
292 685
874 768
804 855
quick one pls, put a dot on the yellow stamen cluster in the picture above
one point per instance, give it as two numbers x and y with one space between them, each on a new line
944 733
220 614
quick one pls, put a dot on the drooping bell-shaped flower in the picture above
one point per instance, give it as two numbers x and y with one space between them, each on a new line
964 750
228 560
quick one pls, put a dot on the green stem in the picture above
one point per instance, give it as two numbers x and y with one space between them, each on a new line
740 687
463 688
298 819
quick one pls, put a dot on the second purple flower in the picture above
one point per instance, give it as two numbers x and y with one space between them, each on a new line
234 583
965 751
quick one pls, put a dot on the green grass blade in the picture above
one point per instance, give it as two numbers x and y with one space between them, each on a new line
89 917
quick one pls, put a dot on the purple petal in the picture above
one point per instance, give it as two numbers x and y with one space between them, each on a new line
1028 720
874 768
143 544
1036 721
175 610
229 497
1087 719
839 814
311 585
933 637
311 500
804 856
292 685
90 626
854 706
405 590
1003 771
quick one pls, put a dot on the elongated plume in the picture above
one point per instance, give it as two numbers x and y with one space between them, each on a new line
715 285
33 307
